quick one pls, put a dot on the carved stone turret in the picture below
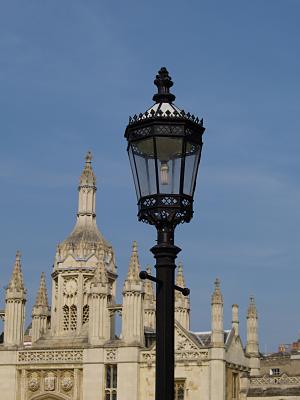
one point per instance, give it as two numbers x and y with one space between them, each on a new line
217 316
99 323
149 302
40 311
15 299
182 303
133 299
252 346
217 351
82 252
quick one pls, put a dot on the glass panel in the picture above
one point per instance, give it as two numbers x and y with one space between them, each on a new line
169 157
108 376
114 395
143 155
107 395
133 170
114 368
191 167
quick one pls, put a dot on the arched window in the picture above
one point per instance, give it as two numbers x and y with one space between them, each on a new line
85 314
111 382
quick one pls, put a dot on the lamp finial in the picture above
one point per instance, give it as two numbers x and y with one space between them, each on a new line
164 82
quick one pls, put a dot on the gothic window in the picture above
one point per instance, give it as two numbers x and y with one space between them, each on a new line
85 314
73 318
179 389
235 386
111 382
66 317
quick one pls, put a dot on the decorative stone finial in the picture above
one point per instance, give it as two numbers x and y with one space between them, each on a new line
217 297
252 312
149 291
180 281
163 82
89 157
88 177
18 255
134 265
16 281
42 298
148 269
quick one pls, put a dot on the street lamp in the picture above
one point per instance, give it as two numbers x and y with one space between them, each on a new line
164 148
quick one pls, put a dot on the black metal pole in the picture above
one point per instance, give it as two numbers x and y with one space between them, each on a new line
165 254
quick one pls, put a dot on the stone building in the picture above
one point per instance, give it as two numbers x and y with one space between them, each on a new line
72 351
279 375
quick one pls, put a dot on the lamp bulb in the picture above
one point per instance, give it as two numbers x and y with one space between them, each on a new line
164 173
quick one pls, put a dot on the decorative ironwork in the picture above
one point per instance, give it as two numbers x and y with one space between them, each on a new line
171 209
165 126
174 114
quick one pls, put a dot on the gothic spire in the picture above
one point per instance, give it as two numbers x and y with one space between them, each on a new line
134 265
42 297
16 281
15 299
217 297
87 189
217 316
252 345
252 312
88 178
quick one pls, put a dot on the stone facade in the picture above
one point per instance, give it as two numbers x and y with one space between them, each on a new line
72 352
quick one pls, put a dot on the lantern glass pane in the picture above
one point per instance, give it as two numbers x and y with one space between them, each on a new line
169 160
192 156
143 155
134 173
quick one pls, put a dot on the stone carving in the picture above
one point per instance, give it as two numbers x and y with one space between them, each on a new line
199 356
148 358
40 356
111 354
67 381
70 287
49 382
87 284
182 343
34 382
186 349
284 379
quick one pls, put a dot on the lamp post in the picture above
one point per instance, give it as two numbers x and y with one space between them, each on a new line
164 148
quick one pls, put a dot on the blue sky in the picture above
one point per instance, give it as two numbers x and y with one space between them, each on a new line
70 75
